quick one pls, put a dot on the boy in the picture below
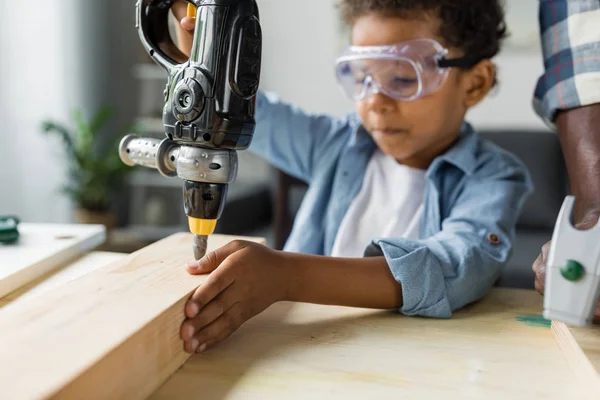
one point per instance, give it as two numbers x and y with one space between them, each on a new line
404 181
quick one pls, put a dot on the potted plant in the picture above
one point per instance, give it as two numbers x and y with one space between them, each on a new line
95 175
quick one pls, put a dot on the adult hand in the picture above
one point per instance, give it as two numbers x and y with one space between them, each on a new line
588 221
539 266
579 131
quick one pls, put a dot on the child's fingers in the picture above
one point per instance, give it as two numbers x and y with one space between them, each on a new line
217 331
179 9
197 268
214 285
208 263
181 14
213 310
214 259
189 24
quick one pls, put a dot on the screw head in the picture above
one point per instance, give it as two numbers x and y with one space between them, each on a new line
572 271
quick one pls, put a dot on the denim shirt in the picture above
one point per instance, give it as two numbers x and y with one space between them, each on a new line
473 197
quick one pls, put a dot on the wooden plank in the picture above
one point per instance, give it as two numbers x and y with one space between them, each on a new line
42 248
113 333
582 349
78 268
495 349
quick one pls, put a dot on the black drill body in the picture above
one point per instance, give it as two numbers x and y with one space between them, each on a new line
209 99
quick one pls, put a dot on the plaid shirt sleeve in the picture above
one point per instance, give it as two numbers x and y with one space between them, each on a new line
570 36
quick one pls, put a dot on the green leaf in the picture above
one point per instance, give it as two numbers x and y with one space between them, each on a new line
83 133
93 177
100 119
65 136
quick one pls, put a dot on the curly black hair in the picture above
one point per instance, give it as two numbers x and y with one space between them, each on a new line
476 27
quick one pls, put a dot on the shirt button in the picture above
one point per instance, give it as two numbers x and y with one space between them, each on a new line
493 238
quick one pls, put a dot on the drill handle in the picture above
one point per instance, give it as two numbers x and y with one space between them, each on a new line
196 164
150 153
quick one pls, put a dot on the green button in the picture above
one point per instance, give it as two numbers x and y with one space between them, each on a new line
573 271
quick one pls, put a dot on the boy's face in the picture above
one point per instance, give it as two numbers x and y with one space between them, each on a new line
413 132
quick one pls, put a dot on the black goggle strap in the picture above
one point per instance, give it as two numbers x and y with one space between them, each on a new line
461 62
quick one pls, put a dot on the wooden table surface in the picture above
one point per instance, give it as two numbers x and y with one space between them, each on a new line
581 346
588 340
494 349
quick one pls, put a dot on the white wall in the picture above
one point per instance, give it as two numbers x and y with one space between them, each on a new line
509 107
33 76
520 65
55 56
302 40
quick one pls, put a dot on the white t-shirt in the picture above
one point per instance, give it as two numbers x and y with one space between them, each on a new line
389 204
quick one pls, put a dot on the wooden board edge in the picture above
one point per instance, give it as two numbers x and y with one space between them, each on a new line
142 360
70 271
38 270
162 346
163 343
578 361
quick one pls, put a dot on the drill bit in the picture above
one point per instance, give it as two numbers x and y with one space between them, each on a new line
200 245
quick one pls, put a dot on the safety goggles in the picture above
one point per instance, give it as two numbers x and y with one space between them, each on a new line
405 71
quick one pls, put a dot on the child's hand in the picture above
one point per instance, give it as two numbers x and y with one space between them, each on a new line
245 278
179 9
185 29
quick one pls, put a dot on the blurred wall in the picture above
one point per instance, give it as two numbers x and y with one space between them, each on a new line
301 42
56 56
303 38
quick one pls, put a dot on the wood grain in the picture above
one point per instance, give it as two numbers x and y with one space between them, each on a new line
300 351
42 248
113 333
582 350
64 274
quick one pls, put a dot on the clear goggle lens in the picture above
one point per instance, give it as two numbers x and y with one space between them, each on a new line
405 71
396 78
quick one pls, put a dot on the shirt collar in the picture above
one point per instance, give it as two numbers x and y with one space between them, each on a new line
462 154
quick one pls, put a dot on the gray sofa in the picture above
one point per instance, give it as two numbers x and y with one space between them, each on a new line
541 153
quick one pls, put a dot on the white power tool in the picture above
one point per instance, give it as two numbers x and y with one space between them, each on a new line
573 271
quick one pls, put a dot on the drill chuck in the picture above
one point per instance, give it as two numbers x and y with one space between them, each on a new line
206 174
203 204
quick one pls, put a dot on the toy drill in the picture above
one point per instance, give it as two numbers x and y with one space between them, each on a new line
209 103
573 271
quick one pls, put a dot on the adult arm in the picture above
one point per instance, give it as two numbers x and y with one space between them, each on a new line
567 97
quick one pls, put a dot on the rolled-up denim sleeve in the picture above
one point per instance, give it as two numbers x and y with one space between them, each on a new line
460 264
293 140
571 48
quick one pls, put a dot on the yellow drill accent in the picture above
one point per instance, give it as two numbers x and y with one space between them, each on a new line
202 227
191 10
